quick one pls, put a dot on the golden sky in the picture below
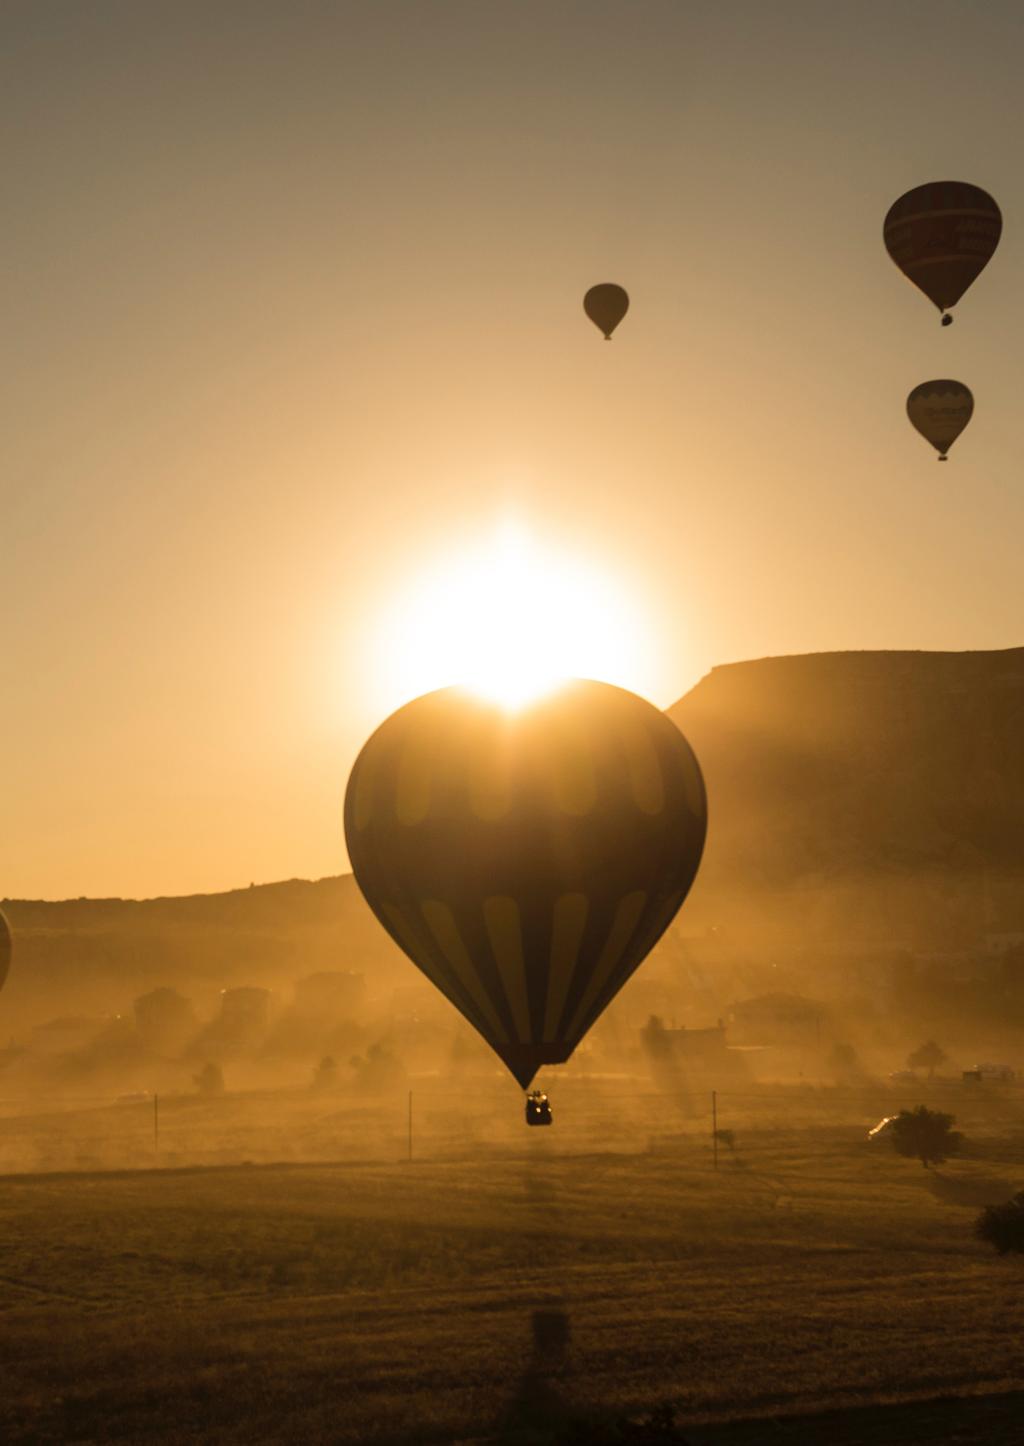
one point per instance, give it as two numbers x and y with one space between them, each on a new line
291 300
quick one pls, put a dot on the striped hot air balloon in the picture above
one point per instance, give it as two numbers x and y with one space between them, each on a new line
940 411
527 862
942 236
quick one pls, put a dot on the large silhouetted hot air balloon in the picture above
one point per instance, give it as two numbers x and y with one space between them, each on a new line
527 862
5 948
940 411
606 305
942 236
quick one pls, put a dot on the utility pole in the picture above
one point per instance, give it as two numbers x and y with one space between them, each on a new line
410 1126
714 1125
156 1128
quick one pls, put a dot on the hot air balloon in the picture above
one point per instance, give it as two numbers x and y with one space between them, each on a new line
940 411
5 948
527 862
942 236
606 305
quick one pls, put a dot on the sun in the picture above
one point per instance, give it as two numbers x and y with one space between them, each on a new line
510 618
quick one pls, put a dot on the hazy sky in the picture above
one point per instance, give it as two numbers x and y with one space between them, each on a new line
291 304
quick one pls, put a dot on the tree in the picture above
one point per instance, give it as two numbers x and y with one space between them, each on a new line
210 1080
925 1135
844 1065
325 1076
930 1056
654 1037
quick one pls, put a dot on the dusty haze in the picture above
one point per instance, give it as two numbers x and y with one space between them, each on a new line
863 871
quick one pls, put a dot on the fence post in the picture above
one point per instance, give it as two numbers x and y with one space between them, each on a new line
714 1125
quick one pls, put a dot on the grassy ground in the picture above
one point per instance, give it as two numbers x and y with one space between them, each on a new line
500 1289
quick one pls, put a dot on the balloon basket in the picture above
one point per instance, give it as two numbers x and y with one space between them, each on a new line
538 1108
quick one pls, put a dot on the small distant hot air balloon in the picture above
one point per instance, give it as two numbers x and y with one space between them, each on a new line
527 862
942 236
940 411
606 305
5 948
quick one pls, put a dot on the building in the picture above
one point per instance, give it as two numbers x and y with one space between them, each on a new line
244 1014
691 1056
777 1019
329 996
165 1020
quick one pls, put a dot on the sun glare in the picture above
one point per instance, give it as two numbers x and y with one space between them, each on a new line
511 618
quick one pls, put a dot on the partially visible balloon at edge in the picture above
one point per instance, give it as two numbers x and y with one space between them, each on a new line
942 236
5 947
940 410
606 305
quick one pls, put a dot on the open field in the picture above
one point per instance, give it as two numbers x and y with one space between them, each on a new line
508 1283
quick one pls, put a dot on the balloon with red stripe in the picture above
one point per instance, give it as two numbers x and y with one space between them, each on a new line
942 236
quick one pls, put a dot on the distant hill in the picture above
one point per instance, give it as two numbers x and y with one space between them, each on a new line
872 795
99 954
855 798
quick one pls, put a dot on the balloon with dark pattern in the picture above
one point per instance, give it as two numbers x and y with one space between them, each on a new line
606 305
527 862
940 410
942 236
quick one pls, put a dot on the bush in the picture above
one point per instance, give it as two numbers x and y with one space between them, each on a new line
657 1429
379 1071
926 1135
1003 1225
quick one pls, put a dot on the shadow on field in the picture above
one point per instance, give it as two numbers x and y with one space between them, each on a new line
539 1409
976 1190
541 1415
539 1191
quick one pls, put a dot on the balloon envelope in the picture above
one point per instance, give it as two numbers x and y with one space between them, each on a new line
606 305
942 236
940 411
527 862
5 948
